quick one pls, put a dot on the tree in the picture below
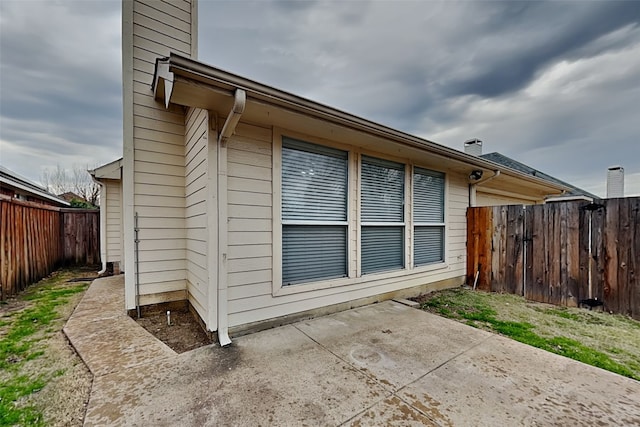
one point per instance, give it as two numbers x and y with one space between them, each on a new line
77 180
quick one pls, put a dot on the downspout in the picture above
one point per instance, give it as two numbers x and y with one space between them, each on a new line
103 225
240 98
472 187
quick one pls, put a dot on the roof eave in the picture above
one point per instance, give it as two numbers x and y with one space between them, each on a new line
40 194
112 170
168 68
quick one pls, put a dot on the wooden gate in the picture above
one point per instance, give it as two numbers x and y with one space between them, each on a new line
559 253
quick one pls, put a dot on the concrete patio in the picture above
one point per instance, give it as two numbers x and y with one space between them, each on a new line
384 364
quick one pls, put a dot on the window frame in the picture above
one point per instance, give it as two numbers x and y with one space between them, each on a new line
354 238
405 212
443 224
341 223
277 288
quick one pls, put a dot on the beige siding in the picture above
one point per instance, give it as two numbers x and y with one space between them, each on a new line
488 199
162 166
113 212
249 213
457 202
250 268
195 151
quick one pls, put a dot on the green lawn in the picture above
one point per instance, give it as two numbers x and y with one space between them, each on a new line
608 341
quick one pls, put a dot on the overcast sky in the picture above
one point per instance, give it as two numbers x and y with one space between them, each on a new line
553 85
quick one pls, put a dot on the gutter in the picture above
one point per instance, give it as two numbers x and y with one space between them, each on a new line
229 127
472 187
176 66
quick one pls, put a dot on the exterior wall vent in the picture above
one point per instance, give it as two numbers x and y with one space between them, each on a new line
615 182
473 147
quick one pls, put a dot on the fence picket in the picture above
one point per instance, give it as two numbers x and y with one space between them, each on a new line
550 253
32 242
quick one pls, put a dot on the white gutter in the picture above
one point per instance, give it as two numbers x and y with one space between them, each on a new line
229 127
472 187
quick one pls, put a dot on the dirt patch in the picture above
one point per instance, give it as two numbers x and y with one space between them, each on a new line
184 333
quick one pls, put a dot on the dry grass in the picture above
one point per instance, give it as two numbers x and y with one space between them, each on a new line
42 380
609 341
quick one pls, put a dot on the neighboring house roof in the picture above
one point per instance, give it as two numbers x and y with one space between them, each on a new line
70 195
22 185
501 159
174 80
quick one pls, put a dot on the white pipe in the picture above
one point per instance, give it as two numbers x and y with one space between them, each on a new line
239 102
472 187
228 129
496 173
103 225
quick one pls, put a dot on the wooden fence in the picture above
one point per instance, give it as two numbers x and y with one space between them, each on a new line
36 239
559 253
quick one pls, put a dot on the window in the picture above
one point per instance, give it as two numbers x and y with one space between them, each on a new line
428 217
314 212
382 206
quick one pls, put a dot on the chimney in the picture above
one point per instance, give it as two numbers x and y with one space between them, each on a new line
150 30
473 147
615 182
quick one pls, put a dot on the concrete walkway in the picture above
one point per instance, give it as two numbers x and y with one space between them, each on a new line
384 364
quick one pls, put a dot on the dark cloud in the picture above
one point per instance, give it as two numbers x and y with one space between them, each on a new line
565 30
552 84
61 86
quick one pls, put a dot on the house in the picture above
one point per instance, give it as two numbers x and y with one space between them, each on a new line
70 195
488 197
109 178
260 207
18 187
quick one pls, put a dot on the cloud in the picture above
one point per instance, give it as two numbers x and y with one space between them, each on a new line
552 84
61 84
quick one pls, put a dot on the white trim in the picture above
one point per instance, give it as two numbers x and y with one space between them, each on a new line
103 224
128 153
429 224
352 281
354 220
112 170
194 29
276 210
447 217
223 309
407 208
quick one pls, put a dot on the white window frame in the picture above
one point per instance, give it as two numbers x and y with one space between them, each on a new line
437 264
407 251
278 289
355 279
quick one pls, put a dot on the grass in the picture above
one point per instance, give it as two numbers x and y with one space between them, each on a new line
610 342
35 315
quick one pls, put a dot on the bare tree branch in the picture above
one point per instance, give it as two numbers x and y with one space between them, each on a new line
77 180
